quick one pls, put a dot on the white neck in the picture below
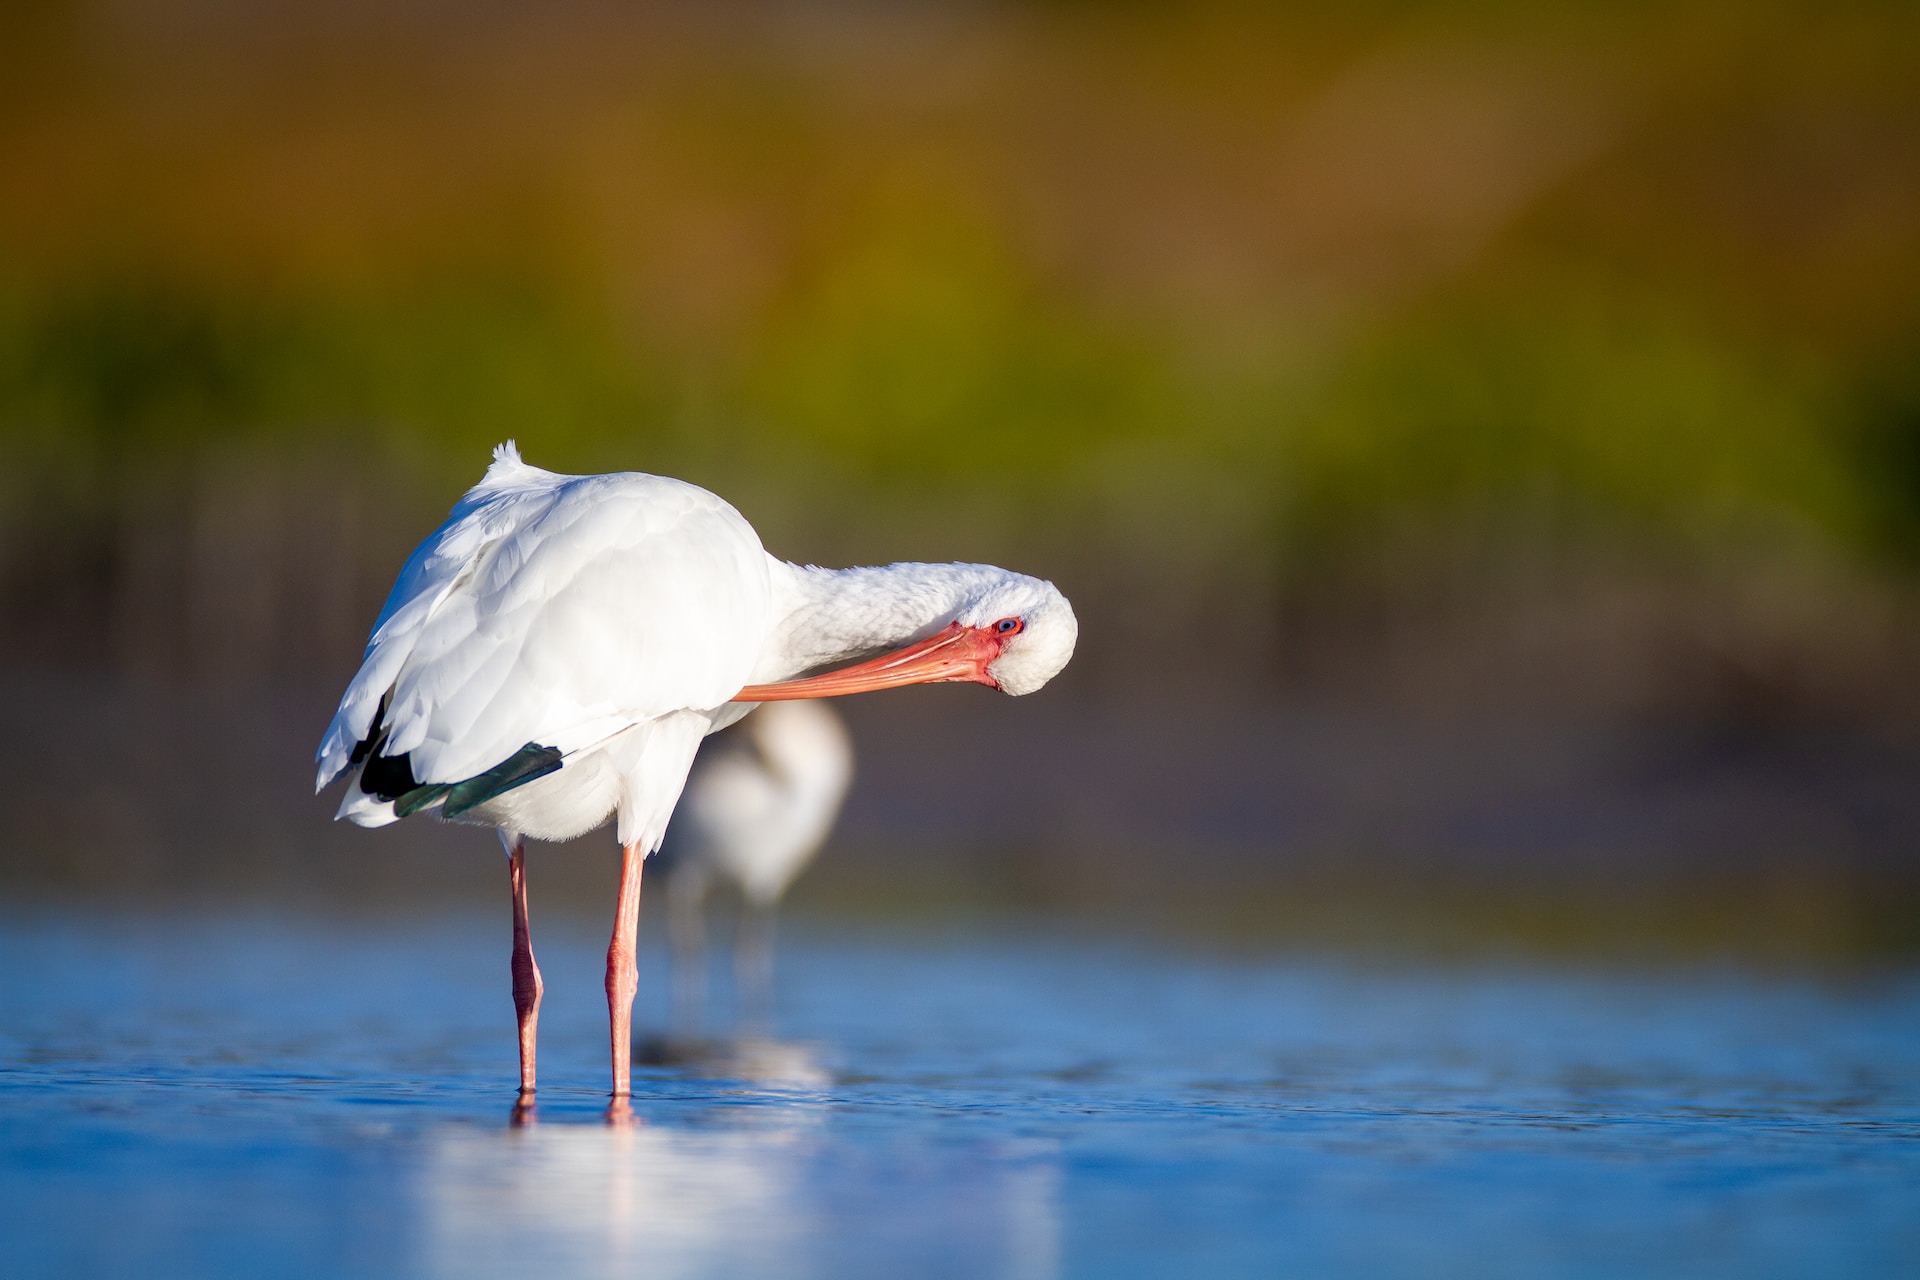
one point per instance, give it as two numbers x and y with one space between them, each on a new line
825 617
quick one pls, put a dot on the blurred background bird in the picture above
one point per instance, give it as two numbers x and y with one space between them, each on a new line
760 802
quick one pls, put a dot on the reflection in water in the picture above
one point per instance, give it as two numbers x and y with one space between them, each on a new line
740 1191
979 1107
578 1200
756 1059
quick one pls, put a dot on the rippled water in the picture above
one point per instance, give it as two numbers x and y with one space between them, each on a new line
278 1095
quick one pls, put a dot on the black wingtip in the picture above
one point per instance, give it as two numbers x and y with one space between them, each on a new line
523 766
388 777
414 801
391 778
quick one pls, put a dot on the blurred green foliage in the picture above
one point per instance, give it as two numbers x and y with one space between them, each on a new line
1554 359
1215 290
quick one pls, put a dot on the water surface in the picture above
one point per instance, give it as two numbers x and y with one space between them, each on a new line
244 1094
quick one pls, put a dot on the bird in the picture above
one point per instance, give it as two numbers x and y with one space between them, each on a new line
758 805
552 655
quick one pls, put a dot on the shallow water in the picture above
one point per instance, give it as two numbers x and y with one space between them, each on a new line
212 1095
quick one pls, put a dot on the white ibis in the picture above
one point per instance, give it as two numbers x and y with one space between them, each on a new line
759 802
553 654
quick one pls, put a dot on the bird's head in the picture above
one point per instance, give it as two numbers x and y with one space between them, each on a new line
1011 632
1025 630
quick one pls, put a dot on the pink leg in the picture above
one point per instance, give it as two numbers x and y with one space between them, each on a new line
526 974
623 972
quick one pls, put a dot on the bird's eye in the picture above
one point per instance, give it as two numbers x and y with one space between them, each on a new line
1008 626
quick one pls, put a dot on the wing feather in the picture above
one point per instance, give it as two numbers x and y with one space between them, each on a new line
558 610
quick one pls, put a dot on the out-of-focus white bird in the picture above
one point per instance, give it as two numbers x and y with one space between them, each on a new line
552 655
758 805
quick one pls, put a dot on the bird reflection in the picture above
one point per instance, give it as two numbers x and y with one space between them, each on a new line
758 1060
618 1115
729 1190
587 1200
755 1059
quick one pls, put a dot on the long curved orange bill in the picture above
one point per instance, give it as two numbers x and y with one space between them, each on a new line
958 653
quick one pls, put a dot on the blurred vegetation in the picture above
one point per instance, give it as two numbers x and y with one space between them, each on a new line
1241 292
1559 359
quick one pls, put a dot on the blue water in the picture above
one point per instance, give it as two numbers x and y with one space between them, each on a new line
214 1095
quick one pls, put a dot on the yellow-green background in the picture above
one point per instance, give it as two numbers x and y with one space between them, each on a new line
1471 371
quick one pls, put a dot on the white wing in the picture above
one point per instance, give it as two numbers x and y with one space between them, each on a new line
558 610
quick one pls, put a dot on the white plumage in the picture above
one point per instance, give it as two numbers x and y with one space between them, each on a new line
599 615
554 653
759 803
757 812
